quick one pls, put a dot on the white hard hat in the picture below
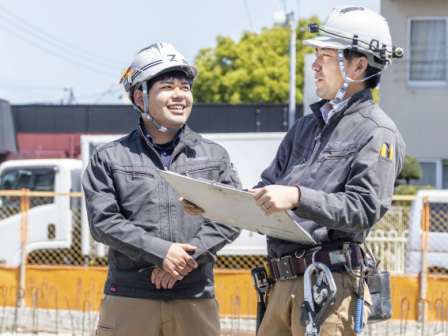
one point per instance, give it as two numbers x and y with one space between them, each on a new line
153 61
149 63
359 29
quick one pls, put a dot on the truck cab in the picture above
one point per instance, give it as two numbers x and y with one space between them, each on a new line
49 216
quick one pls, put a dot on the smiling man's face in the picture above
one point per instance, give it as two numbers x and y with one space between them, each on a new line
170 101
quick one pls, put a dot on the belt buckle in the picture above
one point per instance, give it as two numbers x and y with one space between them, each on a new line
285 271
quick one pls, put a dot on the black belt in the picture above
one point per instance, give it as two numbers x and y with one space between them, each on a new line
294 265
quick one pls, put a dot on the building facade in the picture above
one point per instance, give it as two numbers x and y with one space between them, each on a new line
414 89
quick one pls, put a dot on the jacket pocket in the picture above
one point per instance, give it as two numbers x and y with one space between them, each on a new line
336 161
137 193
339 154
210 172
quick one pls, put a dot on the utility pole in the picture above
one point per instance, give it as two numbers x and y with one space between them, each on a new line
71 96
286 19
292 69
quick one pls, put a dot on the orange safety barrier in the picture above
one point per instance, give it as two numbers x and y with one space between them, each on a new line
81 288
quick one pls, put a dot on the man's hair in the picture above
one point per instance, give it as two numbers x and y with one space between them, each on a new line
173 74
371 83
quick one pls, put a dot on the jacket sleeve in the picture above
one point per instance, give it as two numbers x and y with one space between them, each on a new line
212 236
368 190
108 225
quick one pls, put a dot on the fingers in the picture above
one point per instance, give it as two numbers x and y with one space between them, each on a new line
190 208
192 263
165 279
185 270
156 277
162 279
258 193
171 269
188 247
154 274
171 283
187 258
263 200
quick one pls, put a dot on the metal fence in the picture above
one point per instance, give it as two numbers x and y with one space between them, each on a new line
389 240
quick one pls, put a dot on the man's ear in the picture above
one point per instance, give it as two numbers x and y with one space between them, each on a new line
137 95
362 65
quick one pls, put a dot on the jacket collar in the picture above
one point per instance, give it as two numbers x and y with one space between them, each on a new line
186 136
358 97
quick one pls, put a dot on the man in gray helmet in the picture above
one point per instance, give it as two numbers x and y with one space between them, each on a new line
335 169
160 278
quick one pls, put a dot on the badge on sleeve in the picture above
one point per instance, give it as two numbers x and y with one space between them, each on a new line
387 151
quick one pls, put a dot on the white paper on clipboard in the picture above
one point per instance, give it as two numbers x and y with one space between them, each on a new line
230 206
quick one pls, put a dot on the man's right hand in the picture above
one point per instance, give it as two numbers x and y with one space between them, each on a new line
178 262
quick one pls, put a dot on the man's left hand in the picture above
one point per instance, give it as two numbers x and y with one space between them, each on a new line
162 279
275 198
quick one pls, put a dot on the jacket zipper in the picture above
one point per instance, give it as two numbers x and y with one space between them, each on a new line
177 150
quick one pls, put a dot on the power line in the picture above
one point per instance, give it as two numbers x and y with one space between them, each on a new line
39 33
56 53
29 87
98 96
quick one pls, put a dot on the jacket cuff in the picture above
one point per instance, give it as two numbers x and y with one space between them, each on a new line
202 254
159 249
308 202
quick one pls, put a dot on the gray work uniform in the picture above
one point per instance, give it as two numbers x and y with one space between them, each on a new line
137 214
346 170
346 184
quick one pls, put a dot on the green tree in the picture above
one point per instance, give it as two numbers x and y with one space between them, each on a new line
252 70
411 169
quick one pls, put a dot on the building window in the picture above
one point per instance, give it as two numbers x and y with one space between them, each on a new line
428 51
429 174
445 175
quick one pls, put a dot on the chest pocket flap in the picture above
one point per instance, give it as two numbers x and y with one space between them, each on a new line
338 151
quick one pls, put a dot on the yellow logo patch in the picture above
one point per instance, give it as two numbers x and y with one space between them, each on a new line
387 151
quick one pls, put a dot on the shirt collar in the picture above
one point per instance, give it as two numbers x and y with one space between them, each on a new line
360 96
148 136
329 109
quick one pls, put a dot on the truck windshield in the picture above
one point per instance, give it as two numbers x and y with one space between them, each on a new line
35 179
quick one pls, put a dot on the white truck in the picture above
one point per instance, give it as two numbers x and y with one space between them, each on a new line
60 221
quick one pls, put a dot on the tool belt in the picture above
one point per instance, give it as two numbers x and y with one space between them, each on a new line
294 265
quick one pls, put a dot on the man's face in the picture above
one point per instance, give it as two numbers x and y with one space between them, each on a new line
170 102
327 76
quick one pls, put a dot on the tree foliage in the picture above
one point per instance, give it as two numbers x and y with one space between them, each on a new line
411 169
252 70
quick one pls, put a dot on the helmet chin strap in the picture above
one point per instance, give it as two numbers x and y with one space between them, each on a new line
347 80
343 89
145 113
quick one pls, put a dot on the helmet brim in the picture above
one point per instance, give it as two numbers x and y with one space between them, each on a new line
326 42
189 71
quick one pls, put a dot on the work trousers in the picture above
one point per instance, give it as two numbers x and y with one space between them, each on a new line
283 313
123 316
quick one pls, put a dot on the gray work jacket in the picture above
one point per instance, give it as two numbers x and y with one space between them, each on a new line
137 214
345 170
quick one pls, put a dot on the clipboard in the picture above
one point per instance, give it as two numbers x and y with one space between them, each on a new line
227 205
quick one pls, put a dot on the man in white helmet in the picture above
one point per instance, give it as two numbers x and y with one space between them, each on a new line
335 169
160 277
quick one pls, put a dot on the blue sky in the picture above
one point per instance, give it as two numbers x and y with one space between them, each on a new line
49 46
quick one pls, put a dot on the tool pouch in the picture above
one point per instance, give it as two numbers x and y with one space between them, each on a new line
379 288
